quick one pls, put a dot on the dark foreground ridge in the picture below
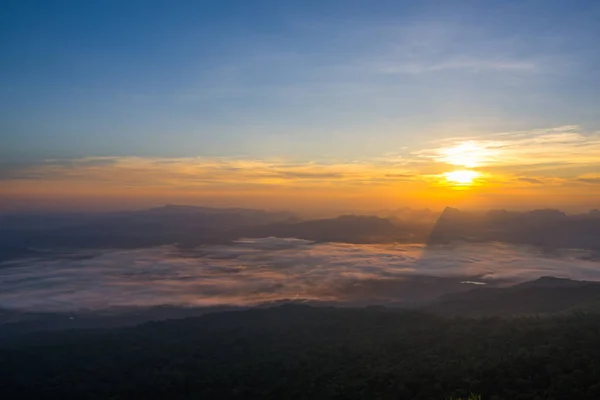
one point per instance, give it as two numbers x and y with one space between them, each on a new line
541 296
298 352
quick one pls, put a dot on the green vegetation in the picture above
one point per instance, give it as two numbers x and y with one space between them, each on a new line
298 352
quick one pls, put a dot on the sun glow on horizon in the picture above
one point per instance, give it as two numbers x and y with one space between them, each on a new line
462 177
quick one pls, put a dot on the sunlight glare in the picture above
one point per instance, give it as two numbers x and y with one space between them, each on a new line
462 178
467 154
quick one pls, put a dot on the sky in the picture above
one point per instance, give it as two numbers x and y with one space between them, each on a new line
300 104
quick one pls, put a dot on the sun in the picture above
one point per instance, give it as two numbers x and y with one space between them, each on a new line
461 178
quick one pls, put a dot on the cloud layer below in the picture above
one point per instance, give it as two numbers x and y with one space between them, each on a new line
255 271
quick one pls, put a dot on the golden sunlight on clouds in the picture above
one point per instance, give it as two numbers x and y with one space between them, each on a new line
467 154
553 167
461 178
540 149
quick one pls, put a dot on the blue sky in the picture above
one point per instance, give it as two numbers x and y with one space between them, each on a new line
300 104
303 80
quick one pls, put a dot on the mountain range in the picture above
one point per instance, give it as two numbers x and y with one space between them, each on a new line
33 234
551 229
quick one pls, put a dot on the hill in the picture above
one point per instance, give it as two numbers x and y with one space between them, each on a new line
345 228
299 352
550 229
542 296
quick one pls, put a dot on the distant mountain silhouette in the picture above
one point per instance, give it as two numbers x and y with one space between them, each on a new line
190 226
546 228
346 228
186 225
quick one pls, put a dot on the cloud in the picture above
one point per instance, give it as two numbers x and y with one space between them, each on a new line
203 170
531 180
541 167
561 151
254 271
564 151
590 180
425 45
467 64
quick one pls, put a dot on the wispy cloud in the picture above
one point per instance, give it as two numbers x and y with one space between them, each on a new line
535 150
466 64
526 152
548 163
215 171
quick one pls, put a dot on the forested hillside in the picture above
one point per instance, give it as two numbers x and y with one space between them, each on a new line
303 352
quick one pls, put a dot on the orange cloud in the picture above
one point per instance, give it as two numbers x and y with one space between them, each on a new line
554 167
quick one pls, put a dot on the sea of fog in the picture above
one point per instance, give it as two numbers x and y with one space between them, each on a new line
256 271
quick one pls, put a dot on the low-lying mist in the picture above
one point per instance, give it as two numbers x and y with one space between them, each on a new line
255 271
